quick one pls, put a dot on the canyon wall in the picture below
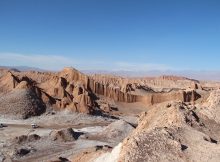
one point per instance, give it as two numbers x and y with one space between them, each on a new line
152 98
72 90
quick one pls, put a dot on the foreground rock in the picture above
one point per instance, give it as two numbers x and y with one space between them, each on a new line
64 135
211 108
165 134
168 132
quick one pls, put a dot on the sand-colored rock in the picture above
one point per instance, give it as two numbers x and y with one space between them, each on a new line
211 108
8 82
165 134
75 91
174 82
64 135
22 85
66 89
120 89
26 138
22 103
114 132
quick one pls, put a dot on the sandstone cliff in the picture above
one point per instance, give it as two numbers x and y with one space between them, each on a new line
72 90
64 90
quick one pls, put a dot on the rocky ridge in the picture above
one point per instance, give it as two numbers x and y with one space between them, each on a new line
72 90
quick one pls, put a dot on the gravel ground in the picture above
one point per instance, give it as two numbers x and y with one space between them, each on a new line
46 149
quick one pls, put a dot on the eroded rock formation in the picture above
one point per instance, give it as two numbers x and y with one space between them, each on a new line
74 91
165 134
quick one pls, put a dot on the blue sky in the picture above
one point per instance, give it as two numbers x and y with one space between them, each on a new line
111 34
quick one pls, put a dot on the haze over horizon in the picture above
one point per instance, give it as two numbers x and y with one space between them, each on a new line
114 35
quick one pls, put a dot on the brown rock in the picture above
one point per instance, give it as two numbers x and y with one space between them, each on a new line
64 135
22 85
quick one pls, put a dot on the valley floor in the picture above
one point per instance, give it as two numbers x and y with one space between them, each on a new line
47 149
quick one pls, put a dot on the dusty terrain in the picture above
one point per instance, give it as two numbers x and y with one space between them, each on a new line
98 118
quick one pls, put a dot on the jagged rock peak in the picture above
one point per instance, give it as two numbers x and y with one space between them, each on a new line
70 69
71 74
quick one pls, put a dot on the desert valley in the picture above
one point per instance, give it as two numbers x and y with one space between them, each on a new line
109 81
70 116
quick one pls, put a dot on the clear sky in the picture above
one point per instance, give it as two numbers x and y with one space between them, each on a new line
111 34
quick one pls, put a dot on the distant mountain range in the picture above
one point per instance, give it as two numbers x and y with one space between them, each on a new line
23 68
193 74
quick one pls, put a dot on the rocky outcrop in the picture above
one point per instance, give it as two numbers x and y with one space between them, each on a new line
211 108
117 94
165 134
64 90
8 82
124 90
23 151
111 92
72 90
22 103
71 74
69 90
172 82
64 135
184 96
26 138
114 132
